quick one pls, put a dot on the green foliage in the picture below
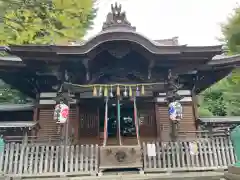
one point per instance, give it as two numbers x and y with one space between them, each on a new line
231 32
204 112
44 21
8 95
223 98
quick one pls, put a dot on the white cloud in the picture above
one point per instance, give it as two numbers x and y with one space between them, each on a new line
196 22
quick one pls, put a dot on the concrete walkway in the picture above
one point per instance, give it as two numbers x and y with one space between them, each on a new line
165 176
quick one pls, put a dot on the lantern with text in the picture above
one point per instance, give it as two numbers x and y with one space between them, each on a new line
61 113
175 111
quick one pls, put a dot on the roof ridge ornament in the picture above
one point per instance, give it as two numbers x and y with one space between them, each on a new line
117 18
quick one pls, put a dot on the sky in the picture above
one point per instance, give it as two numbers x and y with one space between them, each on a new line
195 22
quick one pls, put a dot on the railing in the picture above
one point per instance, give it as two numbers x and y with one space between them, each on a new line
37 160
191 135
33 139
209 154
56 160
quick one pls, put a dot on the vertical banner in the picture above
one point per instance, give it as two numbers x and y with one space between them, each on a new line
151 150
193 148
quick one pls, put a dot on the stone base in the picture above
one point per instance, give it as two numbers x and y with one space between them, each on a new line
233 173
117 157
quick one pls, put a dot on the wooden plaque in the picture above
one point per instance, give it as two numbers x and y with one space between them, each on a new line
115 157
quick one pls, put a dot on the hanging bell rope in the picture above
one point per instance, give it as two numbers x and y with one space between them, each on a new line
105 137
118 122
136 120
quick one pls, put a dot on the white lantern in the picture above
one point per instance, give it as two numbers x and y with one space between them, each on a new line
175 111
61 113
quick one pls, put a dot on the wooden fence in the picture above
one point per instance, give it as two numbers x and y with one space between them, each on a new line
51 160
37 160
205 154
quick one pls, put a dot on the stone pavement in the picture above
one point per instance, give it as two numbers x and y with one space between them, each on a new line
165 176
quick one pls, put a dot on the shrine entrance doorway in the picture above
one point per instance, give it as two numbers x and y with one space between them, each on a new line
121 145
122 110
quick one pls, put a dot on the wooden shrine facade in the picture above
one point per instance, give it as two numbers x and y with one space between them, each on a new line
116 55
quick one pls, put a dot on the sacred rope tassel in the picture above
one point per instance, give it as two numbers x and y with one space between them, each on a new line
118 90
105 91
130 91
111 92
94 91
125 92
137 91
100 91
142 90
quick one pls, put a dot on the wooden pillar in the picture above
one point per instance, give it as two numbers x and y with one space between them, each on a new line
77 123
158 123
195 105
25 138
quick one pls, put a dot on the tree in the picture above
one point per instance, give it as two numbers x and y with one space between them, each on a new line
42 22
231 32
223 98
46 22
9 95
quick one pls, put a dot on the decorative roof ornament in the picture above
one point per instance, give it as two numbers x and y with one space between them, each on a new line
117 19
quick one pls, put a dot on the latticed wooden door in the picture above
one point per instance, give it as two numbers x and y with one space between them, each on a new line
146 114
89 122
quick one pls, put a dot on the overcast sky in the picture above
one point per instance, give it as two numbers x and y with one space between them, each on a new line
195 22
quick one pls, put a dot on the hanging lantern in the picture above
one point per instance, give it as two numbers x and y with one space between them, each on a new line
118 90
100 91
175 111
137 92
111 92
105 91
125 92
61 113
130 91
94 91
